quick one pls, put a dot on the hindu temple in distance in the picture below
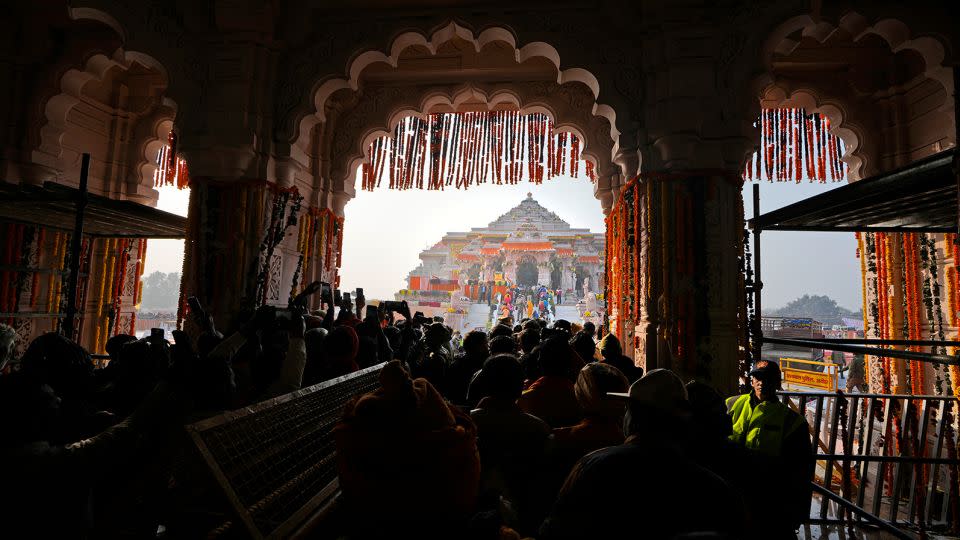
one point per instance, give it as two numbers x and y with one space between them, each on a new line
527 246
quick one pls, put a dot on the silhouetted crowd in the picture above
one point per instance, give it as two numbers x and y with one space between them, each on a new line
528 430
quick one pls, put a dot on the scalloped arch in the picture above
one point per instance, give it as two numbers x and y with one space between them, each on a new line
93 14
893 31
851 135
151 146
358 152
96 69
326 88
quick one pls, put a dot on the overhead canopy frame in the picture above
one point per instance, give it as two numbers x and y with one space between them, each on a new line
921 197
55 206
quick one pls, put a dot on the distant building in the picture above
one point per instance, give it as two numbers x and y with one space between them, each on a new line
791 328
527 246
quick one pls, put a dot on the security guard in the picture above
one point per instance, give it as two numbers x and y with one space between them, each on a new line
780 441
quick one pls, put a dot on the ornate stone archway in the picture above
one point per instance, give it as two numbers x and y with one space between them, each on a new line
265 91
527 272
380 89
876 117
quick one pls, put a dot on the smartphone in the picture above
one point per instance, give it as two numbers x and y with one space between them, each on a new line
282 314
194 304
392 305
360 292
337 299
156 333
324 290
372 312
347 299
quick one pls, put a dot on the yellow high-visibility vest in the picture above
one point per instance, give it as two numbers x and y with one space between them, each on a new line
762 427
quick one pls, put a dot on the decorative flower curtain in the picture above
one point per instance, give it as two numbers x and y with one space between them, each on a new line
904 299
624 281
320 238
463 149
112 268
260 213
171 168
37 262
795 146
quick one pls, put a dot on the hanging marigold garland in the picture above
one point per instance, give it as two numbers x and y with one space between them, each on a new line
28 251
465 149
111 272
748 322
795 146
171 167
914 291
284 200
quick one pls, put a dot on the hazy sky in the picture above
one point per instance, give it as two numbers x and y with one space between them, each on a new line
798 263
386 230
167 255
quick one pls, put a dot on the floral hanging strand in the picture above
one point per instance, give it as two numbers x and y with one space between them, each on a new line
794 146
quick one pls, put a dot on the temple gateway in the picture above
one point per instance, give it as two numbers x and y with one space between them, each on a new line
528 246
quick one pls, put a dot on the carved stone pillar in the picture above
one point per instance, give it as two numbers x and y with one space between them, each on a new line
696 134
229 217
509 270
543 273
222 246
567 279
688 323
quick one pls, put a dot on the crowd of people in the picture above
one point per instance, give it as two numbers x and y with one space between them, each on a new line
536 302
528 430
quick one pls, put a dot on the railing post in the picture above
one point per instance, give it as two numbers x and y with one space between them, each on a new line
937 450
834 417
881 466
917 474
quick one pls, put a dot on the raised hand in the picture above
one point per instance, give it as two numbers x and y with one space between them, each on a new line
298 325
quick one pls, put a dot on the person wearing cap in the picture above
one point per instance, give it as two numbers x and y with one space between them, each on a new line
760 421
646 487
779 439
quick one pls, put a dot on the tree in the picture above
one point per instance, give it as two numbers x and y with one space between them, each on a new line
161 291
820 308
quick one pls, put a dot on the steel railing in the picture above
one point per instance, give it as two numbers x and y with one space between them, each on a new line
894 456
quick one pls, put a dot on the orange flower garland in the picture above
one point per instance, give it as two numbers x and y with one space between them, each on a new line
953 295
912 302
861 254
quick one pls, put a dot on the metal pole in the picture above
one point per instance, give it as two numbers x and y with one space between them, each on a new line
757 282
956 151
75 245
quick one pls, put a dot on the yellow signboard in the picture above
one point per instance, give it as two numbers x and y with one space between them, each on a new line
823 380
813 379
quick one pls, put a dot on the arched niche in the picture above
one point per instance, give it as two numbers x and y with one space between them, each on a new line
113 108
894 103
426 47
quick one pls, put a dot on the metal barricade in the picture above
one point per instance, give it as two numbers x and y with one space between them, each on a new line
275 460
894 456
